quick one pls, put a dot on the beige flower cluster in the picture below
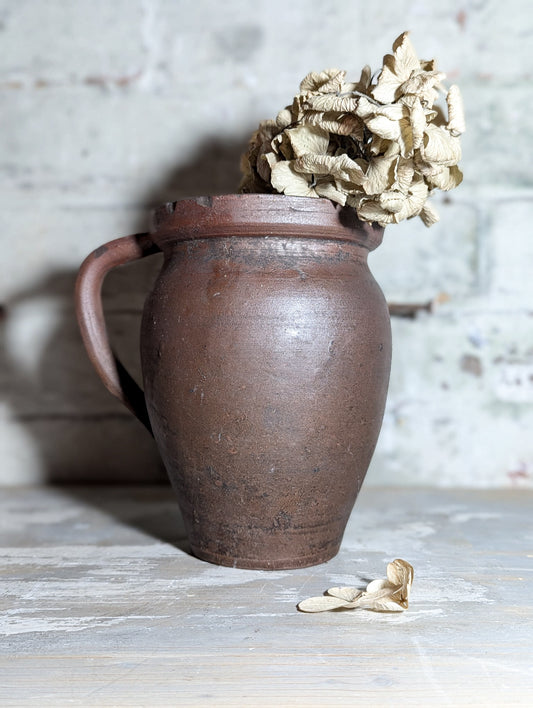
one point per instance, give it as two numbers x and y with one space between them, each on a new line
380 147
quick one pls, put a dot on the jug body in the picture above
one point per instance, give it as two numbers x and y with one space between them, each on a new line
266 357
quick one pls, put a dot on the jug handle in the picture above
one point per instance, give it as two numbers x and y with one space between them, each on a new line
90 314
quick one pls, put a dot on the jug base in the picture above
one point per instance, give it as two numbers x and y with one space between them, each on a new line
291 563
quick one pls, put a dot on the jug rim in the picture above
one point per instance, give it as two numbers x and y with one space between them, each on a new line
261 215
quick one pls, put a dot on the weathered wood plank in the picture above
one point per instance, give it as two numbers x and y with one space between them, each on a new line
103 605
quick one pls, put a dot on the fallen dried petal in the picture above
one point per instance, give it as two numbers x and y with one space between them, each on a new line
390 594
375 586
400 572
345 593
321 604
382 601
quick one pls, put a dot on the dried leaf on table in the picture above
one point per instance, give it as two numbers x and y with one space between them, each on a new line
390 594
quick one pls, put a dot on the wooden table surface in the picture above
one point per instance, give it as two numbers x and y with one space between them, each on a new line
101 604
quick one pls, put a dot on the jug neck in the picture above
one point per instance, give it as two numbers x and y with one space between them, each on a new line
261 215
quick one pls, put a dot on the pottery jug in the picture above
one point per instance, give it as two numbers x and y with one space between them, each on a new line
265 349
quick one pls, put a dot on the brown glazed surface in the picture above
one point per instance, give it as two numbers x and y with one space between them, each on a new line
266 354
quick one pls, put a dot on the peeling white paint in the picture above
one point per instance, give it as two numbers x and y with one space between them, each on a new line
466 516
30 625
128 619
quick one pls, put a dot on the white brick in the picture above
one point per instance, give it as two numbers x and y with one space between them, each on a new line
115 148
447 422
510 254
65 42
110 108
417 264
495 145
45 247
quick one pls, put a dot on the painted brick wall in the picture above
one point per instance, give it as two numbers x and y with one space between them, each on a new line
109 108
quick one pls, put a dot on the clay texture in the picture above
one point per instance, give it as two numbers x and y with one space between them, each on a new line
265 351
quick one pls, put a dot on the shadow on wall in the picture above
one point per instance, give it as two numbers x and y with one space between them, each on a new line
66 425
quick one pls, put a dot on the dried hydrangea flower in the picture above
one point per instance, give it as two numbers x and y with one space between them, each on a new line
390 594
381 148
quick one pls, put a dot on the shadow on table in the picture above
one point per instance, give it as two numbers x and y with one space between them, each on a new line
64 427
137 512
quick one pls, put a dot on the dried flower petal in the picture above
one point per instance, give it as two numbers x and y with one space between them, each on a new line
365 78
305 139
405 170
396 70
331 102
336 123
440 147
325 81
447 178
379 174
327 189
287 181
372 210
429 215
422 84
414 202
456 117
320 604
344 593
392 201
341 167
284 118
418 123
384 127
390 594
